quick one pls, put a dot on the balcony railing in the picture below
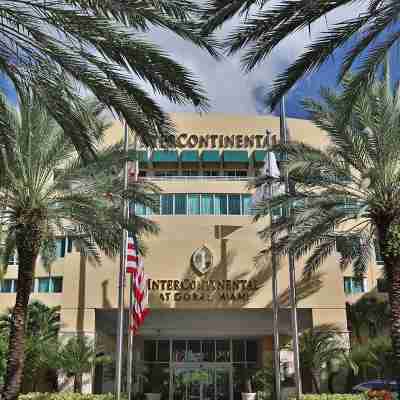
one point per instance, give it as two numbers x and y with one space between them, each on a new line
197 178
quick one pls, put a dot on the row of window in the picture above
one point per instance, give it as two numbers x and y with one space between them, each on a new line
53 284
209 350
199 204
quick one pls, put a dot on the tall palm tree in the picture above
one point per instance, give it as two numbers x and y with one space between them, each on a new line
347 194
367 36
102 45
319 347
48 191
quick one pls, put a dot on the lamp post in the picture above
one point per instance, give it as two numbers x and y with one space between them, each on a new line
284 137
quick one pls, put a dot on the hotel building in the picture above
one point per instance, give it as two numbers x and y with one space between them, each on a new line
210 299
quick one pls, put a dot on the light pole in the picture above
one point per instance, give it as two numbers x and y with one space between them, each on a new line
284 138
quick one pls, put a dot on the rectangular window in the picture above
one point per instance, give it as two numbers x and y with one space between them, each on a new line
246 204
234 204
44 285
142 173
56 284
167 204
207 204
353 285
60 247
180 204
12 260
150 350
194 204
220 204
209 172
8 286
190 172
69 245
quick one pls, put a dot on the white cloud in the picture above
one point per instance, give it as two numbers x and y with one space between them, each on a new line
228 88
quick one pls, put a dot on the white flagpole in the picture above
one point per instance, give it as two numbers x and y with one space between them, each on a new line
292 272
275 301
122 275
131 310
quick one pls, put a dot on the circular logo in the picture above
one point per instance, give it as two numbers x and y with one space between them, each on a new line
202 260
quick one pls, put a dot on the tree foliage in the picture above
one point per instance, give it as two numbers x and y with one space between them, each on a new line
105 48
366 37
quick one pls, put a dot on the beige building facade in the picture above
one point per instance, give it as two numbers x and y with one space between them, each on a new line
210 300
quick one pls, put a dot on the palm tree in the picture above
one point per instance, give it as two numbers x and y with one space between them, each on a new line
77 357
367 36
47 191
319 347
347 194
102 45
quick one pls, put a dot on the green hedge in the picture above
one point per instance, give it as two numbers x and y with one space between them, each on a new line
333 397
65 396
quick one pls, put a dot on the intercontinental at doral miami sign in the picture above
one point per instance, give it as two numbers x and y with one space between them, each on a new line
220 141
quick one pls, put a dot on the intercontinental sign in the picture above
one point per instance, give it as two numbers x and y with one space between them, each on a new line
215 141
202 291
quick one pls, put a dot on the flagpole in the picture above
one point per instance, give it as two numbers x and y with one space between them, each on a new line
131 309
275 303
121 282
292 272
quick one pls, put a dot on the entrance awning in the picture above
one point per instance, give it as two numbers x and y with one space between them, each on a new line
190 156
259 156
235 156
167 156
210 156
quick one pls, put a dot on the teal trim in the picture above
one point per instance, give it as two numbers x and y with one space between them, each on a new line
259 155
190 156
210 156
140 155
160 156
239 156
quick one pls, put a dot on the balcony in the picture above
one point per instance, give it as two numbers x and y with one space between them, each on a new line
197 178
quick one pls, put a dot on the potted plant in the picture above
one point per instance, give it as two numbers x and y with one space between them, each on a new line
247 385
154 382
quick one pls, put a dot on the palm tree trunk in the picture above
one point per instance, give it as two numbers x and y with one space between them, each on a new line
28 243
315 382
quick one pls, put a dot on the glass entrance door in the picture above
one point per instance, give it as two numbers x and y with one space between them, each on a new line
200 382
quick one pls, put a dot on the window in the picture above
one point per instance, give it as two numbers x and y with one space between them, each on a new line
382 285
140 209
353 285
180 204
167 204
234 204
53 284
61 247
194 204
246 204
220 204
13 260
210 172
142 173
8 286
207 204
235 173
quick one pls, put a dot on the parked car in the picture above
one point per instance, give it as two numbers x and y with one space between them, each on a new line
378 384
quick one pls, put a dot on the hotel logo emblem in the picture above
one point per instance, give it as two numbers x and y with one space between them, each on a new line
202 260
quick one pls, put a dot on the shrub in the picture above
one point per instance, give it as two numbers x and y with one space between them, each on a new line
333 397
65 396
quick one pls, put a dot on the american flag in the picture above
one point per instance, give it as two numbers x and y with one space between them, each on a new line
134 266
